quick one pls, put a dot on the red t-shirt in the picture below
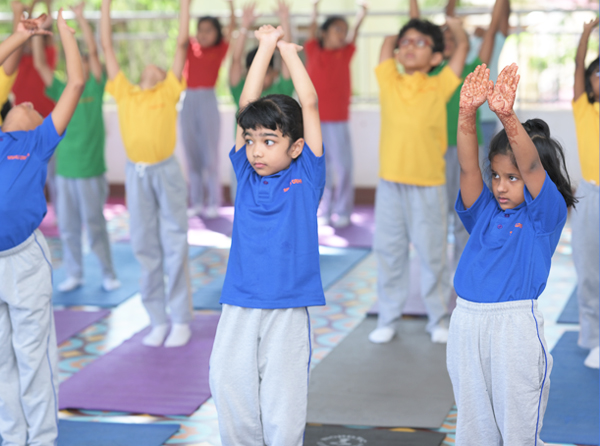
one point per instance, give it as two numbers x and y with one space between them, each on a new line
330 74
202 64
29 86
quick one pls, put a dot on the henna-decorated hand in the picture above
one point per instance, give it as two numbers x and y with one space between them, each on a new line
268 34
502 98
475 89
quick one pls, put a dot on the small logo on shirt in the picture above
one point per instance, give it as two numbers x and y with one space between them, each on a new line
285 189
518 225
17 157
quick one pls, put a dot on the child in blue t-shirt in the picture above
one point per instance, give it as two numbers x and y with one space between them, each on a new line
28 351
497 356
260 360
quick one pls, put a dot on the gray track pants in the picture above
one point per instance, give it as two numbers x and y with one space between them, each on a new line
404 214
259 369
81 203
500 367
28 352
156 199
586 256
200 128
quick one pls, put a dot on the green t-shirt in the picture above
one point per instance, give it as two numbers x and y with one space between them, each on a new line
453 105
280 86
81 153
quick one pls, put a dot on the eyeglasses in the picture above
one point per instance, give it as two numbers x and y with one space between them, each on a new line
417 43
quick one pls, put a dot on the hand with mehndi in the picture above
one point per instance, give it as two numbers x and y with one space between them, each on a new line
502 98
268 34
475 89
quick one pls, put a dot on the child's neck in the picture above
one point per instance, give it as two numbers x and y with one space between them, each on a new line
411 71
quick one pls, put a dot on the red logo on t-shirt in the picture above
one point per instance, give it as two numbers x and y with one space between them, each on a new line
285 189
518 225
17 157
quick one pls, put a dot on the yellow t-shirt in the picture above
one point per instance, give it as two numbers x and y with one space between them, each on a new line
6 83
587 126
147 118
413 137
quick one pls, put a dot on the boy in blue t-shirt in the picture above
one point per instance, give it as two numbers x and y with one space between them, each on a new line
28 352
260 360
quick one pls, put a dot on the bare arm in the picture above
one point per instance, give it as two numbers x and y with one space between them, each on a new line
472 95
306 94
90 41
387 48
25 29
451 8
415 13
312 32
283 11
231 26
501 101
579 84
12 63
457 61
112 65
487 46
183 39
360 16
504 25
39 61
237 68
65 107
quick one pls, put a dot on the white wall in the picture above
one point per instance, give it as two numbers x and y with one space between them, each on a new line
364 127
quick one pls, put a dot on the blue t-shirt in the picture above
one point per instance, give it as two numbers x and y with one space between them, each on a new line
509 252
274 256
23 162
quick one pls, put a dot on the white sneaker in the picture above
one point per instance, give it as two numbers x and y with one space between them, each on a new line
439 335
341 222
156 336
593 359
69 284
382 335
179 336
192 212
109 284
211 212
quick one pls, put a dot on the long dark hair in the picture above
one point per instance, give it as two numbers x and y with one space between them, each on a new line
589 71
274 112
550 151
214 22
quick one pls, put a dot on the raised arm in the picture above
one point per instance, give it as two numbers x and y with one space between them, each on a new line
314 27
12 63
504 25
25 29
451 8
267 42
579 84
39 60
387 48
487 46
501 101
414 12
306 94
457 61
90 41
112 65
472 95
232 23
360 16
283 12
237 54
65 107
183 38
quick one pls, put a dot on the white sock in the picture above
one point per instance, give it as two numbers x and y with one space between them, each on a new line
179 336
156 336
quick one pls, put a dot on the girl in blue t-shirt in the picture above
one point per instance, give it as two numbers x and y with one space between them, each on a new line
497 357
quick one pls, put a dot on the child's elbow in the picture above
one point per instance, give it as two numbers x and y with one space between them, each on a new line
311 102
77 85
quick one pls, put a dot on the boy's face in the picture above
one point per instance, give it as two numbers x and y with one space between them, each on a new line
269 152
595 81
22 117
151 76
335 36
415 52
507 183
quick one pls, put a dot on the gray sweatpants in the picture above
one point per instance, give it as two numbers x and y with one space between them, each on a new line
156 199
28 352
586 256
81 203
338 196
259 370
200 128
499 365
405 213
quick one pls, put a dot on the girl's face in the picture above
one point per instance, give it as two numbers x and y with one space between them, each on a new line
269 152
595 81
335 36
507 183
206 34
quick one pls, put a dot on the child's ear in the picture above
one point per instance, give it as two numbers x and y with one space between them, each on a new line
296 148
436 59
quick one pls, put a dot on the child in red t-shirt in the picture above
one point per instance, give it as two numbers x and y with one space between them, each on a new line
328 65
200 120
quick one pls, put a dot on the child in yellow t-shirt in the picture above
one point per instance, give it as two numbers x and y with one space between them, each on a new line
156 190
585 242
410 204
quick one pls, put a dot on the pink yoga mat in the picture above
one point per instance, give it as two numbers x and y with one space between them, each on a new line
150 380
70 322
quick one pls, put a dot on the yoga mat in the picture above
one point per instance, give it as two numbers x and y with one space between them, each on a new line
340 435
358 234
91 293
570 313
572 414
335 263
400 384
150 380
70 322
78 433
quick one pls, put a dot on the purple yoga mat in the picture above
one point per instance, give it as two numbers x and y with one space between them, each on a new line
150 380
359 234
70 322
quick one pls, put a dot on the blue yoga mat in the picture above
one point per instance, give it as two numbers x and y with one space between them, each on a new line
91 293
572 414
570 313
77 433
335 263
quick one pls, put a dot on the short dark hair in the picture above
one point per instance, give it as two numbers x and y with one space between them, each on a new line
214 22
427 28
589 72
5 109
274 112
550 151
327 24
250 58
